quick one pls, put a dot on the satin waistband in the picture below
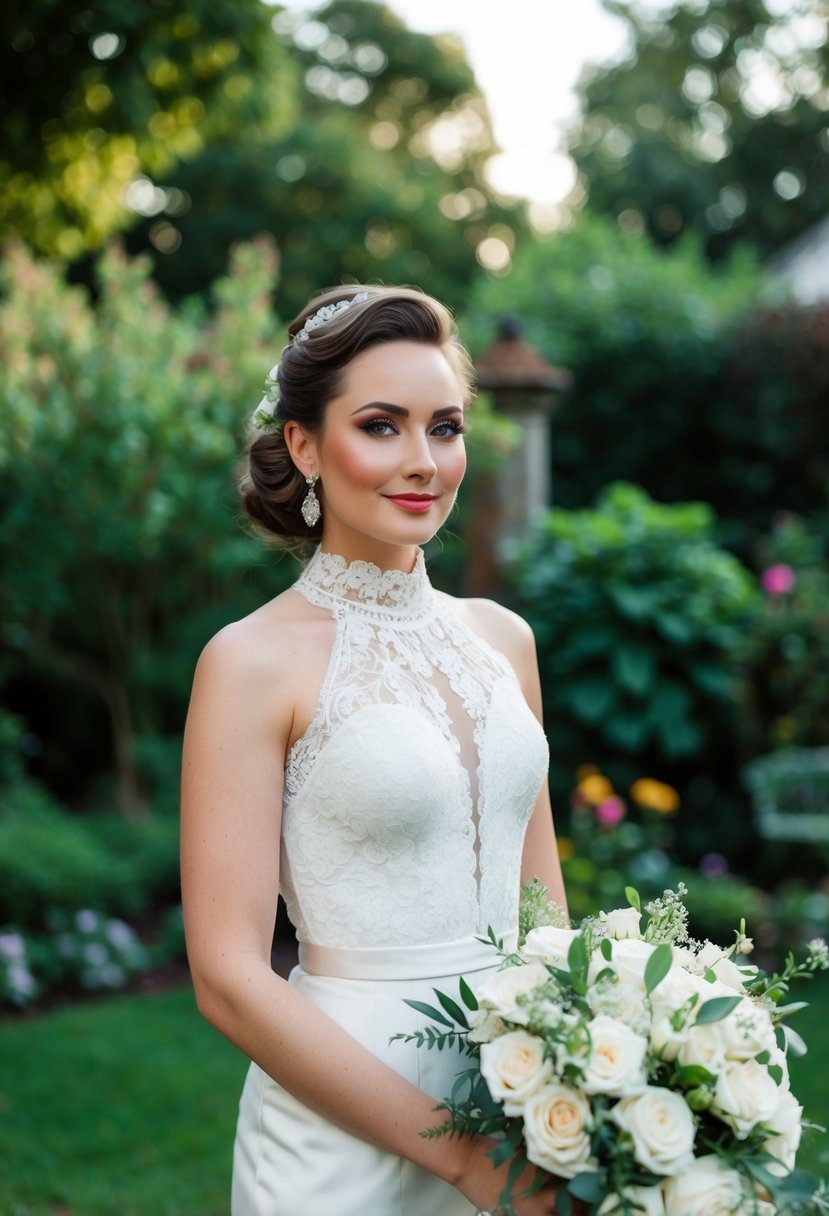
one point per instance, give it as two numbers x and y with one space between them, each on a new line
430 961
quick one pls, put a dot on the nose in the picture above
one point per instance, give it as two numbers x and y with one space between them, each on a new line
420 462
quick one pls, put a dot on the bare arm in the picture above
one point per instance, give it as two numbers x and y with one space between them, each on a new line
237 733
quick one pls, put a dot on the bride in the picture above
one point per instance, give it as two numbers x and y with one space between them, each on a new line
371 747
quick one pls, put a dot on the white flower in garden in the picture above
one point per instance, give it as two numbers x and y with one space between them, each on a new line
484 1025
120 934
557 1130
94 954
747 1031
706 1187
745 1095
628 961
704 1046
500 992
514 1069
647 1199
549 944
21 981
661 1126
622 923
787 1123
12 946
87 921
614 1062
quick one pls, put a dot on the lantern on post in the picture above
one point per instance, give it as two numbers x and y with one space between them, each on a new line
527 389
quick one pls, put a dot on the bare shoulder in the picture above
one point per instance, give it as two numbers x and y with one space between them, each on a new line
502 628
268 649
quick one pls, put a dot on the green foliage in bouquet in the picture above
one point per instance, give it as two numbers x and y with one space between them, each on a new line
637 612
642 1070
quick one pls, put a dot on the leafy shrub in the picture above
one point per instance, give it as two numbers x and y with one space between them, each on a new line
785 656
680 383
50 861
636 613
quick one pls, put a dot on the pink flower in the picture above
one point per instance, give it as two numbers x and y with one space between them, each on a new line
779 579
611 811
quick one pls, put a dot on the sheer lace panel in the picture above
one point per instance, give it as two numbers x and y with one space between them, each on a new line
407 798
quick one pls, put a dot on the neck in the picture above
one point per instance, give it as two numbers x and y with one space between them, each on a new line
385 557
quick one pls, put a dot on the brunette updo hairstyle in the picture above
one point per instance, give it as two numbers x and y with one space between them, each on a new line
310 374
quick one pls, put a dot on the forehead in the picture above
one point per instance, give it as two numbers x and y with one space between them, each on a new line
402 373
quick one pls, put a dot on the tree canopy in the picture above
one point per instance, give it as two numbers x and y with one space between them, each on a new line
715 122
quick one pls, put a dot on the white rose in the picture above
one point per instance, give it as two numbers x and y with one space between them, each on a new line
727 972
614 1063
705 1188
665 1040
549 944
787 1123
556 1130
628 961
747 1031
500 991
623 923
745 1095
514 1069
704 1046
679 986
484 1026
647 1199
662 1128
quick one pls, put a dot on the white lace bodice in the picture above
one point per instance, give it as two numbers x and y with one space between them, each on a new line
407 799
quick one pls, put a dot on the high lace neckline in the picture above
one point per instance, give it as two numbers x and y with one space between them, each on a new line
330 578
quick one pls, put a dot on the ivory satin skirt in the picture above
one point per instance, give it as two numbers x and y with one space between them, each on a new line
289 1161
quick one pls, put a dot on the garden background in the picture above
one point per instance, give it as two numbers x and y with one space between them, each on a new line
175 180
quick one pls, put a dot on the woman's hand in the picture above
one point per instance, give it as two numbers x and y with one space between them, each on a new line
482 1183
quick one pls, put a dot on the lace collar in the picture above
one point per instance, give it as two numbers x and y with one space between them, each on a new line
329 579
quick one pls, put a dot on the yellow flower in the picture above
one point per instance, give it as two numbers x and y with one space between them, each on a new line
595 788
655 795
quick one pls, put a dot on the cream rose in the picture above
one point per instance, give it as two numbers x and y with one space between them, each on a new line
623 923
628 961
557 1130
704 1046
665 1040
726 971
705 1188
614 1063
514 1069
549 944
747 1031
647 1199
500 991
787 1123
661 1126
745 1095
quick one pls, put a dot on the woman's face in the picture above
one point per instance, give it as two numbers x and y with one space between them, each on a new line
391 454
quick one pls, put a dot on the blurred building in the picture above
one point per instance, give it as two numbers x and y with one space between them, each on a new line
803 265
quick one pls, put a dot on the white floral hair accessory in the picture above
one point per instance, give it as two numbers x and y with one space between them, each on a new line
326 313
264 416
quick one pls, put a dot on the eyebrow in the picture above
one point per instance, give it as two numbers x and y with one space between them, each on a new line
402 412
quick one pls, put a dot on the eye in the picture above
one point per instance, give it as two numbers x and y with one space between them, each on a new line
448 428
378 426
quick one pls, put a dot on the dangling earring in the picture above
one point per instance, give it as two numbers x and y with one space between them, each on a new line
310 508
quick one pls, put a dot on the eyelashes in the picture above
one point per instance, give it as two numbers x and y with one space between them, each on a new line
447 428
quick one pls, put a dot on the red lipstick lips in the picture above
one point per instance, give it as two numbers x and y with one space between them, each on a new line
412 502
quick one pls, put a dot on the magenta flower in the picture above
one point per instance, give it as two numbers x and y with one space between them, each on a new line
611 811
779 579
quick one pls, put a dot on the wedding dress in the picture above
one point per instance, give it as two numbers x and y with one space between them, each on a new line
405 807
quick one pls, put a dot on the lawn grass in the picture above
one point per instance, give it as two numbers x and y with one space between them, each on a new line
126 1107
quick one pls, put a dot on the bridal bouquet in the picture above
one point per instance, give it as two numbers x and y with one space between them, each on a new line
647 1070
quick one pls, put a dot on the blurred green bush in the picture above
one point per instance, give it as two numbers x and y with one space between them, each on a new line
684 381
637 613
